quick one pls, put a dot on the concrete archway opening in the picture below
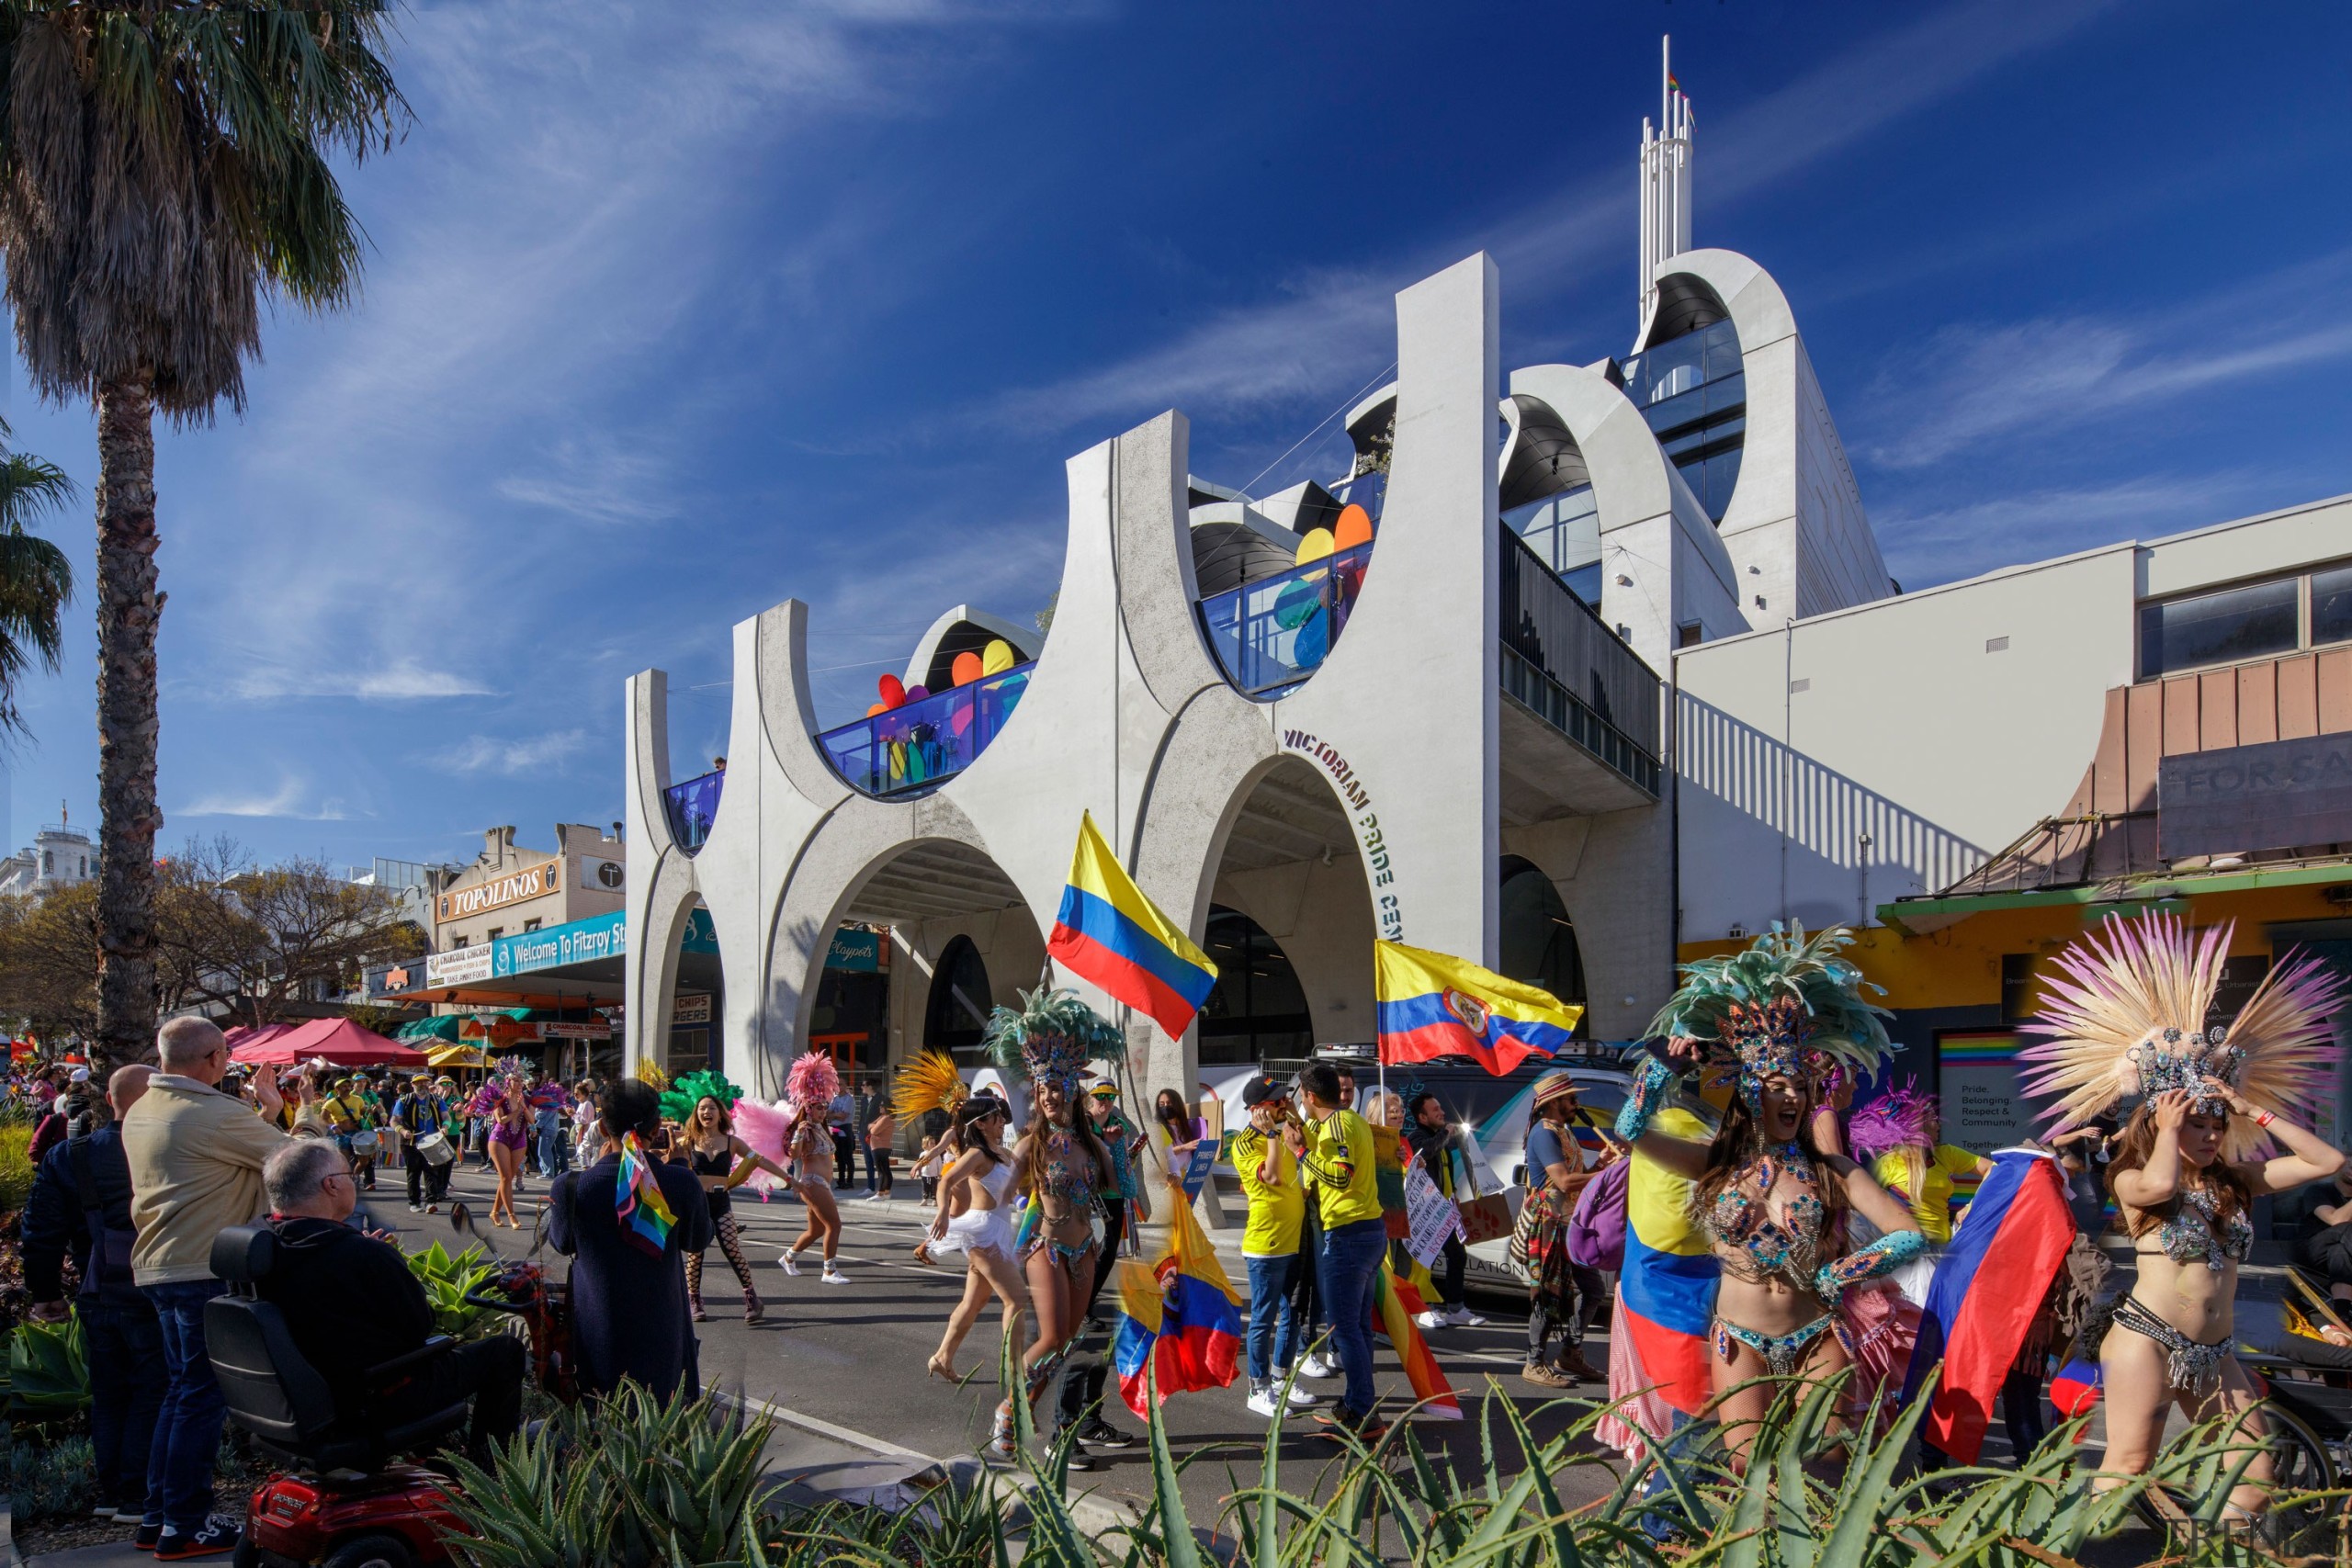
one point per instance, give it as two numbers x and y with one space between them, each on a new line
960 941
1257 1010
698 1000
1290 886
1537 942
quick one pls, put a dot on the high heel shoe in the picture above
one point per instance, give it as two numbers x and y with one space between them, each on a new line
753 1310
941 1368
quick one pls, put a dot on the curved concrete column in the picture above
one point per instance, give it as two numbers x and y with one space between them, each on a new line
661 888
1653 530
1797 499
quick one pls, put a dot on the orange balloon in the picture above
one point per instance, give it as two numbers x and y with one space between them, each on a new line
876 710
967 668
894 691
1356 528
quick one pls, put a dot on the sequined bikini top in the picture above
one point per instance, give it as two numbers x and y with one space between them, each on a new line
1754 1246
1070 1172
2195 1233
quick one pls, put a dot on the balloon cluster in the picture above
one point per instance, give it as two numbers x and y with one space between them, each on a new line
994 659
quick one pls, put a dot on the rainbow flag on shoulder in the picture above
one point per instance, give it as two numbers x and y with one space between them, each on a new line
1429 1005
1108 933
644 1216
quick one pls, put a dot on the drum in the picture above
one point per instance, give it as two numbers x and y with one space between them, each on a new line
435 1149
365 1145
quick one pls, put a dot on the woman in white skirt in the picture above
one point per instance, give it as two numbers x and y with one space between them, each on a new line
972 1220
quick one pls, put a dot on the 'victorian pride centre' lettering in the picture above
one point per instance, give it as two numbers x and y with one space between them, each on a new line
1373 844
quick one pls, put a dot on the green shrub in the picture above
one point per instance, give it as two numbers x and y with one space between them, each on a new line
16 1164
51 1479
448 1282
48 1371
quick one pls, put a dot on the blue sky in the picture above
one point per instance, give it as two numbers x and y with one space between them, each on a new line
674 312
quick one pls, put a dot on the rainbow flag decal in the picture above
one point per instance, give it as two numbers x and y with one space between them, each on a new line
1108 933
644 1214
1429 1005
1179 1320
1666 1292
1393 1302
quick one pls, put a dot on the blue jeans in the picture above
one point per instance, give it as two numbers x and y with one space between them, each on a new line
1351 1255
187 1426
550 1141
1273 1329
128 1373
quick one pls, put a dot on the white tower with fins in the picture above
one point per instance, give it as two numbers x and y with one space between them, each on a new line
1666 184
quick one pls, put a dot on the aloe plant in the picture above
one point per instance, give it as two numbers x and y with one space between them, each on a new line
48 1371
448 1281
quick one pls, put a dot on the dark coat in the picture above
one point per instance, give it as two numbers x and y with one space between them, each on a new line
350 1302
628 1309
56 1224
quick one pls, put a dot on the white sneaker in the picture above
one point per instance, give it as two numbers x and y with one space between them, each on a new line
1432 1319
1262 1402
833 1275
1301 1400
1462 1318
791 1262
1317 1366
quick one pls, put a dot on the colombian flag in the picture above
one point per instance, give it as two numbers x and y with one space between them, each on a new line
1429 1005
1666 1292
643 1212
1109 933
1989 1286
1393 1302
1178 1319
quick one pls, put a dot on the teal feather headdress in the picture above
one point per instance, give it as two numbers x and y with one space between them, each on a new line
1052 1037
678 1101
1785 1003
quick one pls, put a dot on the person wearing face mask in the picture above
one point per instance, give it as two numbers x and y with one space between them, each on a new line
2212 1135
1772 1187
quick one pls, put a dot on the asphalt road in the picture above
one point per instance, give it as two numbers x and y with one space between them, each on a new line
842 1366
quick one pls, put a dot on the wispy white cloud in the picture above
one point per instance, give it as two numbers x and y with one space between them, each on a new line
1328 327
1969 383
512 757
292 800
404 680
1927 546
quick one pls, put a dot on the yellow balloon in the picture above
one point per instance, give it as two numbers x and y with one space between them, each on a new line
998 658
1314 546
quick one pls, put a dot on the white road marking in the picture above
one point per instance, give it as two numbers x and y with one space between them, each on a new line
827 1429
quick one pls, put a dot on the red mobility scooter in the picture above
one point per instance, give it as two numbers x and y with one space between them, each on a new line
347 1499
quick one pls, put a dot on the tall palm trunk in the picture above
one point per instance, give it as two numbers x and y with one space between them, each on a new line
129 607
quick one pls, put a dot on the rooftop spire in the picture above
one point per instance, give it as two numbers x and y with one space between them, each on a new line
1665 183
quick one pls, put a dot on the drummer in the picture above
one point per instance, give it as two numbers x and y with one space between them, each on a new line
417 1115
348 1113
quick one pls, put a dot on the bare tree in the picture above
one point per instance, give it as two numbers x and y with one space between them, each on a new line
257 939
49 985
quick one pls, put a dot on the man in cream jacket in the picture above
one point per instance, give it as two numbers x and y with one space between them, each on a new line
196 1156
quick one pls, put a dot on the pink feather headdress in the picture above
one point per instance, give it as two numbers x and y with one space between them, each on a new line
1895 1120
2125 1016
813 1080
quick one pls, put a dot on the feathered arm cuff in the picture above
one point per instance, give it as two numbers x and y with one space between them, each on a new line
1880 1257
1652 1084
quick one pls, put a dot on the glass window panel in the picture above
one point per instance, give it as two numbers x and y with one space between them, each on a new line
2332 605
2219 629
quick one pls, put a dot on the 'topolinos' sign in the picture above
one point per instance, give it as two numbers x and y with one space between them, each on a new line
531 882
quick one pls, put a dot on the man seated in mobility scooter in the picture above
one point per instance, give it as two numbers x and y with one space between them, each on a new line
352 1305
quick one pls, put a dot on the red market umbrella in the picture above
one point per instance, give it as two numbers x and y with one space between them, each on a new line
337 1040
246 1034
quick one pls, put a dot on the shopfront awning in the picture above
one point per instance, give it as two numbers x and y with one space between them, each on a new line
2121 895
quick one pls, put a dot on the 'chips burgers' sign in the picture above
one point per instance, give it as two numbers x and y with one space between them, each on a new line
531 882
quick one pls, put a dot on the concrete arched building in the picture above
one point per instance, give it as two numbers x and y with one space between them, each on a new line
1452 734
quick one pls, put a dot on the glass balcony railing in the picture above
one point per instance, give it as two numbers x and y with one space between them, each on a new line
1272 634
922 744
692 808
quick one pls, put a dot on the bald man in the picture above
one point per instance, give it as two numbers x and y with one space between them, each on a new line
81 1206
196 1157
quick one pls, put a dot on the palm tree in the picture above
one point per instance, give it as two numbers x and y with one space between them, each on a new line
36 578
162 168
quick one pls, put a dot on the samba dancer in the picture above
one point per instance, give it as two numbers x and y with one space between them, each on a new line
1769 1198
972 1220
1062 1168
2126 1016
810 1087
